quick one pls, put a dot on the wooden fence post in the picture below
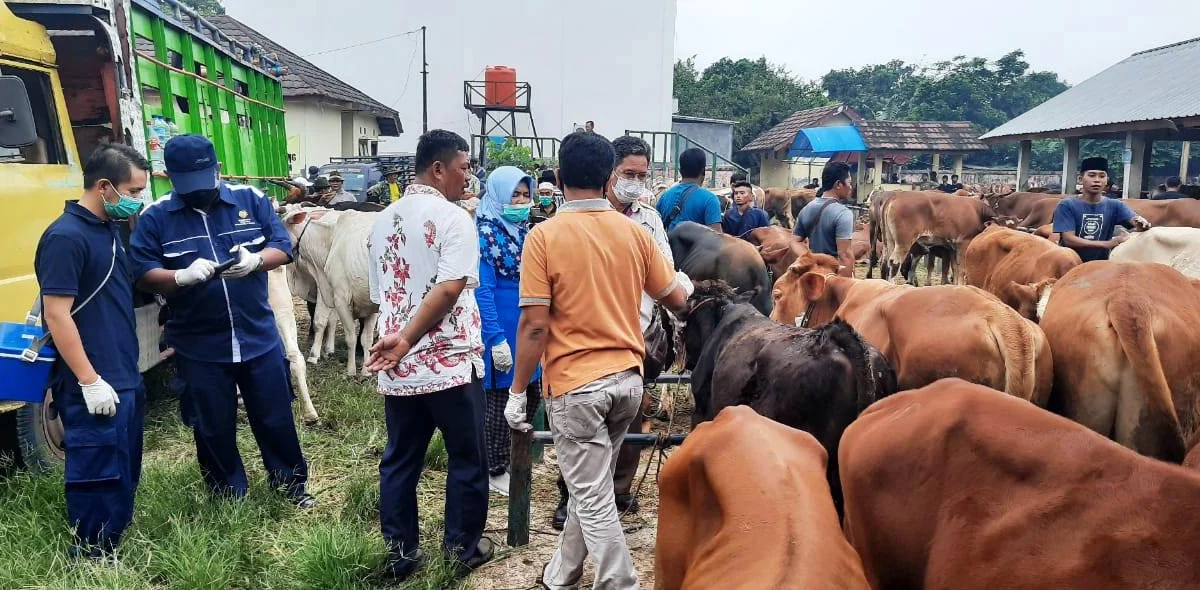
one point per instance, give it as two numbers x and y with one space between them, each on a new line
520 479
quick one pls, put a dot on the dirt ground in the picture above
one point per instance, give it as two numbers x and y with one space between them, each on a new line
518 568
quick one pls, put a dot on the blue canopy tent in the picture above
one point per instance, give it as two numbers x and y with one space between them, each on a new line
826 141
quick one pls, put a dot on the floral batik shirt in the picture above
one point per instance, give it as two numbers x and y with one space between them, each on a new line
417 242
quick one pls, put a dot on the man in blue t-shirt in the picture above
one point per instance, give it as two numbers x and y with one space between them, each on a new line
1085 223
743 217
688 201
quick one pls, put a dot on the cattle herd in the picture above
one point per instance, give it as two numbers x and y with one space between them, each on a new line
1026 424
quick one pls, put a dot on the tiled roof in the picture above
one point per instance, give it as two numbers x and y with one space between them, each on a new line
921 136
302 78
782 135
1154 85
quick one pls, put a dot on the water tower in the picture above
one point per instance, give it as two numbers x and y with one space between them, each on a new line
497 100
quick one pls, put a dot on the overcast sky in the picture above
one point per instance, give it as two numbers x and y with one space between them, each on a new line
1074 38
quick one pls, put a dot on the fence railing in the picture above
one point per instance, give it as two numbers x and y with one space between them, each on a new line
542 148
665 147
523 447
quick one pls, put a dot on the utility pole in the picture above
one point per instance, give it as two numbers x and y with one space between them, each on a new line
424 85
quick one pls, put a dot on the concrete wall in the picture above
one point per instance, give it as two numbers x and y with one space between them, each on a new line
717 137
611 62
318 131
791 173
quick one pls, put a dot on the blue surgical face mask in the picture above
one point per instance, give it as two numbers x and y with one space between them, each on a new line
125 207
516 213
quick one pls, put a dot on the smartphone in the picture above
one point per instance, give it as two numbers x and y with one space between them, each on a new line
220 268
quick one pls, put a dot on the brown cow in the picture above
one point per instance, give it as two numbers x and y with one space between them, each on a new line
785 203
1126 352
778 247
1014 266
926 333
1168 213
954 487
720 521
1017 205
929 220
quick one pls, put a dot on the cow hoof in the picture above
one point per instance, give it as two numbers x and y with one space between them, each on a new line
313 420
312 360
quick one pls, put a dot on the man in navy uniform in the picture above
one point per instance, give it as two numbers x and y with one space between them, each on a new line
87 296
221 327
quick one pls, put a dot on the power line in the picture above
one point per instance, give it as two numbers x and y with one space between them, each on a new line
407 78
363 43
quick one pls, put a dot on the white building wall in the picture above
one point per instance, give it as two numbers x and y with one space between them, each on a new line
366 127
611 62
314 132
318 131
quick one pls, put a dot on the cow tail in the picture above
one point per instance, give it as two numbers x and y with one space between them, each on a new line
1133 325
1019 352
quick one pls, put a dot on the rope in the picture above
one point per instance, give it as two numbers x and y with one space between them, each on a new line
660 446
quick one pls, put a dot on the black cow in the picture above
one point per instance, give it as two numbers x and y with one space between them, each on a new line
814 380
705 254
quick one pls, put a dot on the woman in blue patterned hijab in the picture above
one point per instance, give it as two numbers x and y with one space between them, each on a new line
503 221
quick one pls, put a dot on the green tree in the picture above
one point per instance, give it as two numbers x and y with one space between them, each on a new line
510 153
754 92
205 7
987 93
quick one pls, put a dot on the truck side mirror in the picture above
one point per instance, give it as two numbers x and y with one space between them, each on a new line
17 127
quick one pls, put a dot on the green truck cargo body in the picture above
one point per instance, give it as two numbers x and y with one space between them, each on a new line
206 83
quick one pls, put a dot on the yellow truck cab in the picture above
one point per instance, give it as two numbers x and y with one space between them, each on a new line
76 73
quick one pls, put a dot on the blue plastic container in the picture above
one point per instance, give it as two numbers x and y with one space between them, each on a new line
20 379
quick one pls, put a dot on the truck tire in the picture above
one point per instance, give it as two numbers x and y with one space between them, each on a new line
39 436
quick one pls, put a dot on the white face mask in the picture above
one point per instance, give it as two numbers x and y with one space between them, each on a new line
627 191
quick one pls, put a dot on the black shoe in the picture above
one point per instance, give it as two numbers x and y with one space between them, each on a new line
304 501
485 551
399 568
94 555
560 516
627 504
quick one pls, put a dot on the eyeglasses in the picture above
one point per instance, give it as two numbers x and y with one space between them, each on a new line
631 176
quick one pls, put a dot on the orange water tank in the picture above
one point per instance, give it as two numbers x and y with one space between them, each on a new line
500 86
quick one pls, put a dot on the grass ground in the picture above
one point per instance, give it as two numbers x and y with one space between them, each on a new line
183 539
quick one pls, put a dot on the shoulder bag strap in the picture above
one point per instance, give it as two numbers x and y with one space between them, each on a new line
812 223
34 316
678 207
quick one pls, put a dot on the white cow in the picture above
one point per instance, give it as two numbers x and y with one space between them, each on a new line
1176 247
332 247
280 299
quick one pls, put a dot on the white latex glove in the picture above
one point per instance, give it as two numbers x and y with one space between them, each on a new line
100 397
514 412
502 357
197 272
247 263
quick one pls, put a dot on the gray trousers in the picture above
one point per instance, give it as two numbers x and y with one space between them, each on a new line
588 425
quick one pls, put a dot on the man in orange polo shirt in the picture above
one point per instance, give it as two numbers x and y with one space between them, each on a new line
580 308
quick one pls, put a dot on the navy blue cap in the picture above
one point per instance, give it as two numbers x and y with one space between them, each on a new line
191 163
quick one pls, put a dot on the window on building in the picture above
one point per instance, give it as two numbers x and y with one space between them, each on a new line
48 149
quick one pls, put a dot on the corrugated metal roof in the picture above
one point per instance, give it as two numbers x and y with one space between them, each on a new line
922 136
783 134
688 119
1151 85
302 78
